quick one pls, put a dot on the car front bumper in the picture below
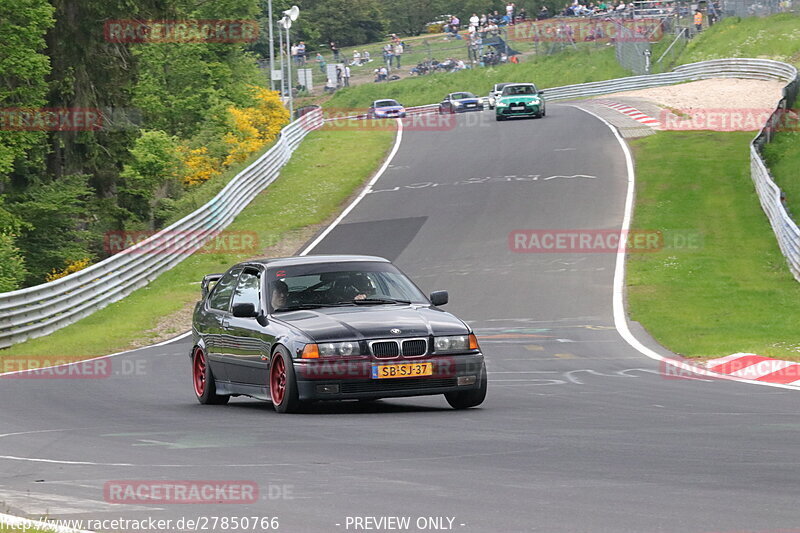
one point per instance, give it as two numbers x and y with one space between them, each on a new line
528 111
349 380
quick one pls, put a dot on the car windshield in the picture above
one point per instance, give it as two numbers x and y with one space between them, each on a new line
513 90
386 103
461 96
499 86
342 284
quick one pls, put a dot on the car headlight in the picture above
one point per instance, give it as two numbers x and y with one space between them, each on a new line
455 343
457 104
501 104
535 101
328 349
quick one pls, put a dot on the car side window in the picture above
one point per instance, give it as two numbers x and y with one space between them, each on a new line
248 289
221 295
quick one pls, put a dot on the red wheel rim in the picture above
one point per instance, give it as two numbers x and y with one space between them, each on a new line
277 379
199 373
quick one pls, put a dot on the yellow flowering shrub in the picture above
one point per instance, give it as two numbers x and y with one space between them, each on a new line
254 127
72 266
199 166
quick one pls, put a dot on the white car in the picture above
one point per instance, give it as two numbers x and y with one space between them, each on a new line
494 93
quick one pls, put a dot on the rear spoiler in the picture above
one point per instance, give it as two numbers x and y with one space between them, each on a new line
208 283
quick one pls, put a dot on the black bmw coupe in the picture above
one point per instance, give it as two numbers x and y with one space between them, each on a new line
300 329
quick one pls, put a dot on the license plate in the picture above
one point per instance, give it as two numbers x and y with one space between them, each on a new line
517 108
471 105
402 370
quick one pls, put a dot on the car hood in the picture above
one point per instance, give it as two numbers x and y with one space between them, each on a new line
468 101
389 108
519 98
374 322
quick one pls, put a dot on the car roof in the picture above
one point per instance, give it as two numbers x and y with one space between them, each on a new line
385 100
463 92
501 85
518 84
314 260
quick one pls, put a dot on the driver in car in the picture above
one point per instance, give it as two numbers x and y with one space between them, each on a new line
280 294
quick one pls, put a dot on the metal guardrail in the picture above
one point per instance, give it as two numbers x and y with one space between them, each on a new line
40 310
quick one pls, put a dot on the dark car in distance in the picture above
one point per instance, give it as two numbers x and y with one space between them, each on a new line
300 329
461 102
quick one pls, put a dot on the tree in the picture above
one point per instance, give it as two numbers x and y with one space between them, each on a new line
23 68
347 22
12 264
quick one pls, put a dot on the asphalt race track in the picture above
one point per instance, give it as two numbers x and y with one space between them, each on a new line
579 432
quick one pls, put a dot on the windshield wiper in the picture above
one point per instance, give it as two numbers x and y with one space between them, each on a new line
381 301
311 306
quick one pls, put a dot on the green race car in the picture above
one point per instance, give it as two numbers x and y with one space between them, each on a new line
519 100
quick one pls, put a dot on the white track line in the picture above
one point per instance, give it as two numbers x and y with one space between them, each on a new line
620 317
397 140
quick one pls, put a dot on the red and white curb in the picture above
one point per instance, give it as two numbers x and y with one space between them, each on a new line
633 113
756 368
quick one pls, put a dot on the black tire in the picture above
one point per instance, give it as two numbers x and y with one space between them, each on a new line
205 386
284 397
469 398
499 118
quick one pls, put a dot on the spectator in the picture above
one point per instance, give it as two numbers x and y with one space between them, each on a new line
398 51
339 75
544 13
356 58
366 56
388 53
713 15
510 11
301 53
522 16
455 23
321 62
346 75
384 73
295 57
483 20
335 51
474 20
698 20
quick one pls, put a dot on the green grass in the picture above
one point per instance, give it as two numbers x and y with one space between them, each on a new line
774 37
585 64
321 175
733 292
782 156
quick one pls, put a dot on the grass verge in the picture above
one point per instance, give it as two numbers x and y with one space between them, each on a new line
585 64
774 37
733 291
321 175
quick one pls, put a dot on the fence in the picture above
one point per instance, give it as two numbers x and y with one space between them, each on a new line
40 310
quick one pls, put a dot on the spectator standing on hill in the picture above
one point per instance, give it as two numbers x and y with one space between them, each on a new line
398 52
510 11
544 13
346 76
335 51
356 58
698 20
294 54
474 20
387 55
366 56
321 62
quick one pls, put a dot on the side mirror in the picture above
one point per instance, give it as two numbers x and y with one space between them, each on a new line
541 93
244 311
439 298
